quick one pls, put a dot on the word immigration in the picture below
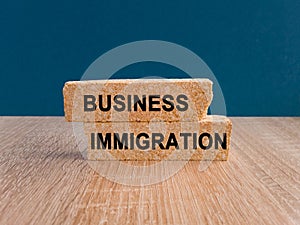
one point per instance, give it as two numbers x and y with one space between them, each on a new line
144 141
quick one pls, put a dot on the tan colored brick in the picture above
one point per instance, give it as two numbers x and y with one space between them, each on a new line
198 92
211 125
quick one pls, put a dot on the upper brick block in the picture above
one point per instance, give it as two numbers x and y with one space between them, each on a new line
137 100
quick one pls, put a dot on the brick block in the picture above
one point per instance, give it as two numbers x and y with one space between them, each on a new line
137 100
207 139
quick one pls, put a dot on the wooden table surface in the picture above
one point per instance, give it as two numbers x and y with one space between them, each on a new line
45 180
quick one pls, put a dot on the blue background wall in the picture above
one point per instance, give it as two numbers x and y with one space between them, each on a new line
253 48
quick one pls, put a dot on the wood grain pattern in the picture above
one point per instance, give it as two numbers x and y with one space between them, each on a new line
44 180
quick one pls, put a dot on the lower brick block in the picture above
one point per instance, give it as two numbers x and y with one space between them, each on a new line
207 139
